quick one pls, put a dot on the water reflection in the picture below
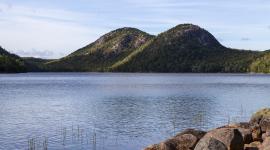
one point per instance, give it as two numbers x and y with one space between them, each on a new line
120 111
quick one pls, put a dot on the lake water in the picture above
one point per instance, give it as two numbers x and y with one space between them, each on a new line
113 111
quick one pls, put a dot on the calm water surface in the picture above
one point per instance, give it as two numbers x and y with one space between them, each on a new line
114 111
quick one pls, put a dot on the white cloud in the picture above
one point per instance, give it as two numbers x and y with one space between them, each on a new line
35 53
55 30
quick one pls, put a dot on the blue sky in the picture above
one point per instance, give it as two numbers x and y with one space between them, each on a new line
55 28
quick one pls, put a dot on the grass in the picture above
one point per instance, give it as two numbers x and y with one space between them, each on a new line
34 144
67 137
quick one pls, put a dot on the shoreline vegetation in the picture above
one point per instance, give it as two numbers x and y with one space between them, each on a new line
252 135
186 48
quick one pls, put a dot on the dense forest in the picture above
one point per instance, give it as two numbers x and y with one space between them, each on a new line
10 63
261 64
184 48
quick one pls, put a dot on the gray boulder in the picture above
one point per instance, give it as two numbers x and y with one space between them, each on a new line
209 143
244 129
185 140
231 138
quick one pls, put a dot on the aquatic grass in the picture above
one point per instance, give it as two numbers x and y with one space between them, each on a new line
35 143
94 140
199 119
68 136
228 120
174 120
31 144
64 136
45 144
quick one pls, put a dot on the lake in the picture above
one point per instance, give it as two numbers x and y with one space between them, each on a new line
120 111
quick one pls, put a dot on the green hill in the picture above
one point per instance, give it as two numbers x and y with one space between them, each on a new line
187 48
103 53
10 63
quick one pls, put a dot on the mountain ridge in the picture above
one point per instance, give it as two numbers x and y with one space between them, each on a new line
186 48
183 48
104 52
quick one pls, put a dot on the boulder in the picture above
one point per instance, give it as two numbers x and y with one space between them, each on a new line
231 138
244 129
253 146
265 135
256 132
246 134
261 118
209 143
263 113
170 144
197 133
185 140
265 124
188 139
152 147
266 144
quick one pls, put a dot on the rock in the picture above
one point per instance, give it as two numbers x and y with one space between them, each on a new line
244 129
185 140
266 144
265 124
209 143
256 132
253 146
261 118
197 133
263 113
246 134
263 136
230 137
152 147
188 139
267 133
170 144
244 125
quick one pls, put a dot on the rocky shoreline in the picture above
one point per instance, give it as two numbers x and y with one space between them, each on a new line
252 135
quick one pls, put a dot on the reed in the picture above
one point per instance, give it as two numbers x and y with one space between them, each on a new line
67 136
31 144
